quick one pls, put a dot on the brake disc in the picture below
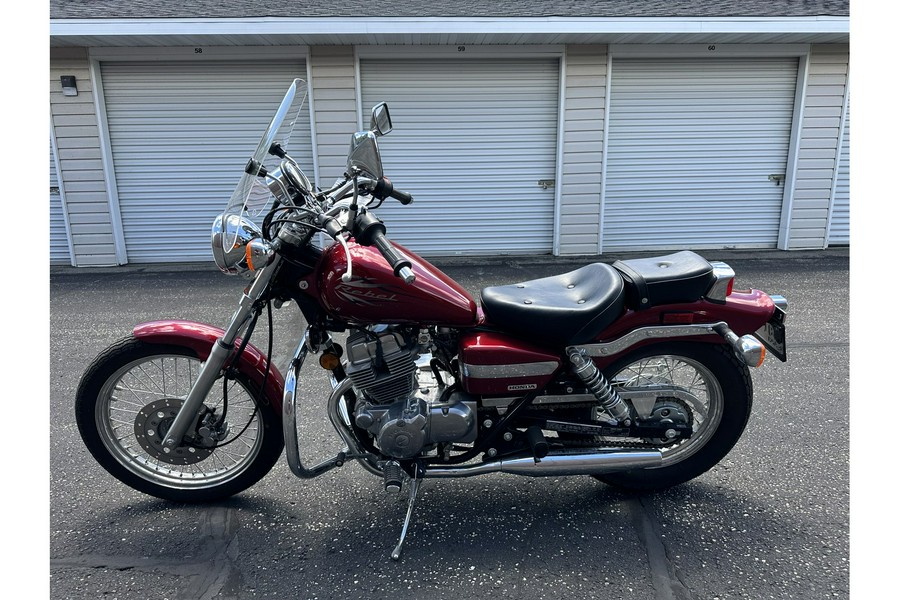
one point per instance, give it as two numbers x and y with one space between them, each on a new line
150 427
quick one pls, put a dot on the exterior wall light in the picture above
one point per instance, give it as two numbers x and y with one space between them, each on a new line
68 85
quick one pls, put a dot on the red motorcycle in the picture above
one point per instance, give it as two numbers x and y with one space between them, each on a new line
635 373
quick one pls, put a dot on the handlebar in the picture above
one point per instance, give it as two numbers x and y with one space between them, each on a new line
381 189
366 228
384 188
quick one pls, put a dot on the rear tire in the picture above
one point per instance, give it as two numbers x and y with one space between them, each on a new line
130 383
725 381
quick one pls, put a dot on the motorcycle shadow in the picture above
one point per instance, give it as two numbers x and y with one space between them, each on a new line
495 524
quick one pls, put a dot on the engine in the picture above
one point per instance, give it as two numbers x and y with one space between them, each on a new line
402 404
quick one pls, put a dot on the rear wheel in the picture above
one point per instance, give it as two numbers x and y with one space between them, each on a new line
129 397
714 391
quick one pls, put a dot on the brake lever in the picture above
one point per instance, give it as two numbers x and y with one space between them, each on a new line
348 274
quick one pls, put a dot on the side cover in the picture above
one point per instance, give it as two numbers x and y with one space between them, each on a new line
494 364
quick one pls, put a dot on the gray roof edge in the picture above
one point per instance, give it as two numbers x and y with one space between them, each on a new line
389 25
116 9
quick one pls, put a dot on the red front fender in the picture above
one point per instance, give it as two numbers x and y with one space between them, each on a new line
200 337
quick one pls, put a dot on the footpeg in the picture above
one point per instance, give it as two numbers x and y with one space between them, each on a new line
393 477
537 442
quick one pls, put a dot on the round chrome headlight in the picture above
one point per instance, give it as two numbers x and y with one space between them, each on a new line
242 231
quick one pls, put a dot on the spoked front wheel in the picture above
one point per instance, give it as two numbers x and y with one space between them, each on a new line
129 397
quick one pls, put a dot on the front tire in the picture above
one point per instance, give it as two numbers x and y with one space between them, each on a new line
126 401
721 383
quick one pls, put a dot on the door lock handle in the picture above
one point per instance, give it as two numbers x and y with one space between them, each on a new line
778 179
546 183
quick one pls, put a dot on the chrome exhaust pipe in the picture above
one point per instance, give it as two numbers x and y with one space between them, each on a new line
595 463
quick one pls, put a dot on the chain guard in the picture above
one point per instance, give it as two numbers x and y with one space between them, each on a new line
150 427
682 412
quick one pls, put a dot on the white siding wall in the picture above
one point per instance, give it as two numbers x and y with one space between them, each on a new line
839 230
59 236
582 159
334 89
81 169
334 101
817 158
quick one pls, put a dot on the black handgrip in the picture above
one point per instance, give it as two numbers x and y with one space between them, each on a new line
331 225
386 189
390 254
403 197
369 231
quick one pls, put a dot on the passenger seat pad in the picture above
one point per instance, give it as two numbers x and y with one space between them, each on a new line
673 278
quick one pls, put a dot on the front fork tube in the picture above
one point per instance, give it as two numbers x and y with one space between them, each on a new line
217 358
337 414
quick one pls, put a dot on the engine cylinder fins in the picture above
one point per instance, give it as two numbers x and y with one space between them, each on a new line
382 365
597 384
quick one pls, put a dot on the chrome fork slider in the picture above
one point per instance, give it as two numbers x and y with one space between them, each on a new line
219 354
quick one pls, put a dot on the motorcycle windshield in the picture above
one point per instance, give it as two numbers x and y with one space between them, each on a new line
252 196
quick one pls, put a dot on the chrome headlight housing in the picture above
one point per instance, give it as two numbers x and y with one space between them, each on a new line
247 244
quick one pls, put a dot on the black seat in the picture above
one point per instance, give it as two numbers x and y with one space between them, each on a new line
673 278
571 308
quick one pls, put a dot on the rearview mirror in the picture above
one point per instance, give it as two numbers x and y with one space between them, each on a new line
364 156
381 120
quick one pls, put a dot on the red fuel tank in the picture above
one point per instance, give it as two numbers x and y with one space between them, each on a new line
376 295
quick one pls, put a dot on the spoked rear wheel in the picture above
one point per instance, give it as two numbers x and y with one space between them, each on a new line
127 401
713 385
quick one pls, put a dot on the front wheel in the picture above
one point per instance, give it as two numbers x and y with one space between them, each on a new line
719 395
127 400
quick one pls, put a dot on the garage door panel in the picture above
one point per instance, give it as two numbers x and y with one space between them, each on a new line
691 146
470 141
181 134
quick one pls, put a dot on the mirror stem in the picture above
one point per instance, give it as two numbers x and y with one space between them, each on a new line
351 218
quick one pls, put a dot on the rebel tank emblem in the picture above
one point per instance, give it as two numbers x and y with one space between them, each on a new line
365 292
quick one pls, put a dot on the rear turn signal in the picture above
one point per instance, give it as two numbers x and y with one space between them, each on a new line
750 349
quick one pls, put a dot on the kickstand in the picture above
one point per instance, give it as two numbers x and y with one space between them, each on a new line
413 490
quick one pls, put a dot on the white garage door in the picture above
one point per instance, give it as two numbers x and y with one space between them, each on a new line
839 234
471 140
181 134
691 148
59 241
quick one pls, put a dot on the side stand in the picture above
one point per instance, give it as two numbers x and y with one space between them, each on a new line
413 490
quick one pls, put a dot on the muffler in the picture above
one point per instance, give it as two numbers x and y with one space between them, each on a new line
595 463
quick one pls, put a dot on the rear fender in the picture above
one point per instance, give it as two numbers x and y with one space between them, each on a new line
744 312
200 337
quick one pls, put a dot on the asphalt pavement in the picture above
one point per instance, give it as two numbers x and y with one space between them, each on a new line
770 521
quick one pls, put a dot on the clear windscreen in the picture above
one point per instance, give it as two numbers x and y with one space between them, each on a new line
252 196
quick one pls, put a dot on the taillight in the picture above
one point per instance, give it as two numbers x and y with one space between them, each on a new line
723 282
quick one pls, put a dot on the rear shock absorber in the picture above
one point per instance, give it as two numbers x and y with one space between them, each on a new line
594 380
